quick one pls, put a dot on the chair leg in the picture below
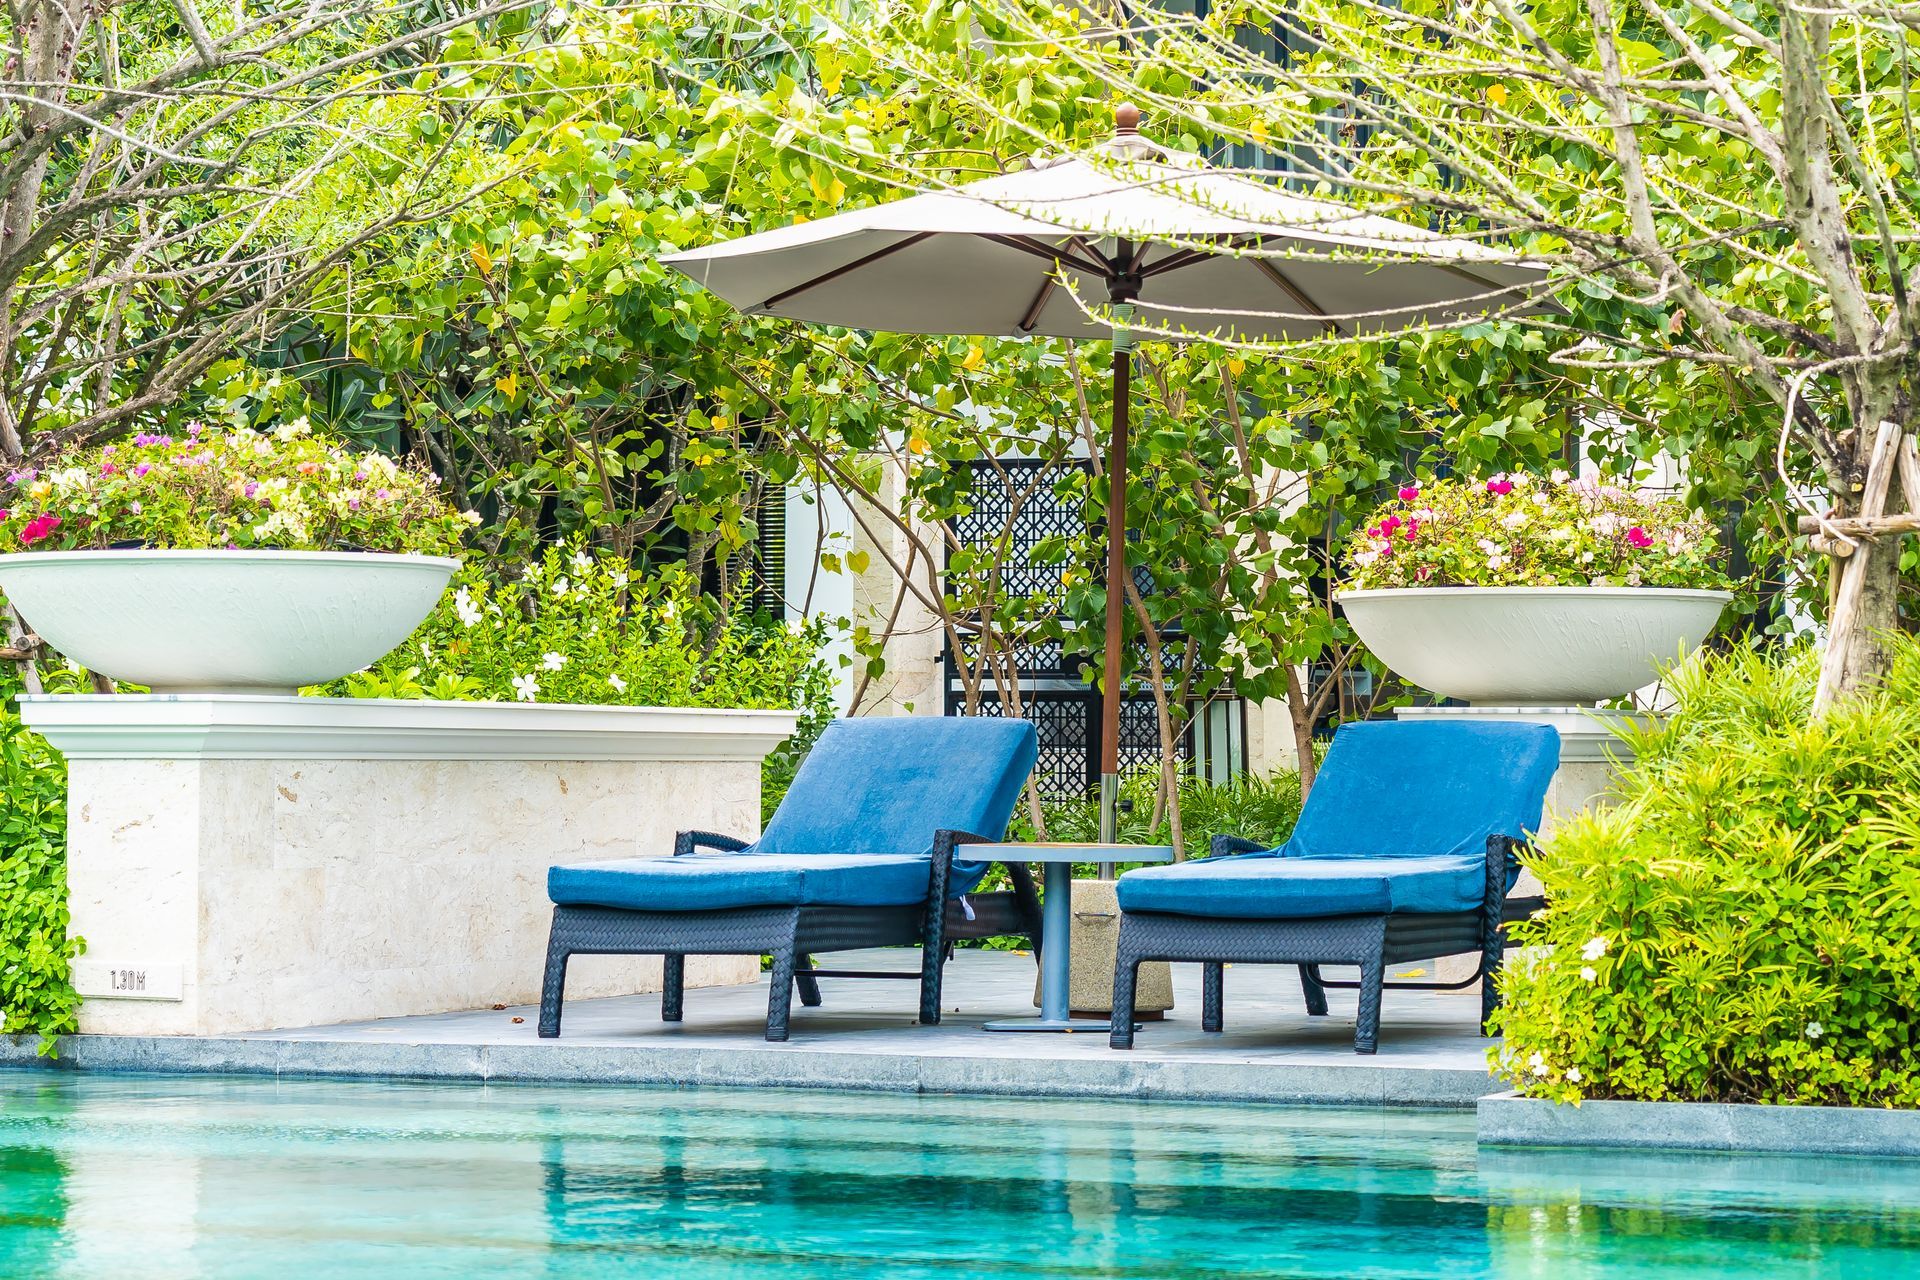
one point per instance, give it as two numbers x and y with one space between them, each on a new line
1212 995
933 964
1126 976
780 994
1315 993
673 987
553 985
1366 1031
804 979
1490 962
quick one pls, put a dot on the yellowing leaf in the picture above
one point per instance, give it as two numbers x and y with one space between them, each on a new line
1497 94
918 444
481 259
1236 366
1258 129
508 385
833 191
975 358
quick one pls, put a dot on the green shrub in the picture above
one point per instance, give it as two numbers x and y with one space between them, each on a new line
1745 925
577 627
1258 808
36 956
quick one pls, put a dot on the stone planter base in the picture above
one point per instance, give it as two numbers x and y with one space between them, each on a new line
1508 1119
1096 939
244 862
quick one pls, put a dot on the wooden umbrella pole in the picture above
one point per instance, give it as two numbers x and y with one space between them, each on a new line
1116 581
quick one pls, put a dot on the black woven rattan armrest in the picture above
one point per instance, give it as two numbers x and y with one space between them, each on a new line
1224 845
687 841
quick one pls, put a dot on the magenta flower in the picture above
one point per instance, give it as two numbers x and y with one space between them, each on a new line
251 488
21 477
193 428
360 474
353 504
1637 537
1388 525
1500 486
107 469
142 469
1408 492
4 513
1413 527
38 529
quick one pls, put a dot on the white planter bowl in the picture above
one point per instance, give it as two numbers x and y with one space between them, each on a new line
223 621
1532 646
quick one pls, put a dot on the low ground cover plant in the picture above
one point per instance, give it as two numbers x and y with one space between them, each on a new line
215 489
1525 531
1744 925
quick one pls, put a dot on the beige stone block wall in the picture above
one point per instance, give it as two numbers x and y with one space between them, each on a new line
299 892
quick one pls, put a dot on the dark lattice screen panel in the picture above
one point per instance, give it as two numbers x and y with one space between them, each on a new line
770 551
1068 725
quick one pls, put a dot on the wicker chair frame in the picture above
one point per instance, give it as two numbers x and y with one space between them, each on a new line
1371 942
791 935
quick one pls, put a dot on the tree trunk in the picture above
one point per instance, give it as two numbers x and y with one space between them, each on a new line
1300 714
1859 651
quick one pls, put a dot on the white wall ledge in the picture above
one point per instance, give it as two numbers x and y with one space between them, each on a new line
271 727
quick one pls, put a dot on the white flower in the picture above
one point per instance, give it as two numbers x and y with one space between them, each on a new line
1515 520
1586 557
464 608
619 685
1496 561
666 610
553 661
1589 974
1539 1064
620 578
1559 475
525 688
561 586
1815 1031
1573 1074
1595 948
582 561
425 652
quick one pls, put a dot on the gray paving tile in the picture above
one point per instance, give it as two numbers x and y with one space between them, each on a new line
865 1036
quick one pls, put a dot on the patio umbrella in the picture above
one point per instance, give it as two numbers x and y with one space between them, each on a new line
1165 243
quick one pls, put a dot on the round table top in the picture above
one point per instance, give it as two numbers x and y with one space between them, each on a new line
1066 851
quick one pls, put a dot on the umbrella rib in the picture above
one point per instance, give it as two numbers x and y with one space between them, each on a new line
1055 256
1292 290
839 271
1187 257
1032 317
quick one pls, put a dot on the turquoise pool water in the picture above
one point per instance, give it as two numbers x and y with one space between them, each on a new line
146 1177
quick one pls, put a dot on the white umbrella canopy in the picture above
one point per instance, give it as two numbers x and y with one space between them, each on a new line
1206 253
1185 250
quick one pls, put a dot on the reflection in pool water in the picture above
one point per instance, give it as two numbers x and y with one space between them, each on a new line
117 1177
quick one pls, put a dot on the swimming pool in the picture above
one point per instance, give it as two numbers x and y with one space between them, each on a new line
104 1176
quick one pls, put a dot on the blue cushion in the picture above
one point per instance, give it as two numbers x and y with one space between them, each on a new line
1259 886
856 827
709 882
886 784
1425 788
1397 820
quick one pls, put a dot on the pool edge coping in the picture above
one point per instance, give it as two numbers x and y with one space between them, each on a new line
1510 1120
753 1066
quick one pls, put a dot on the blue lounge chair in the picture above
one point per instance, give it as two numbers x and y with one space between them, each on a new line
859 854
1405 851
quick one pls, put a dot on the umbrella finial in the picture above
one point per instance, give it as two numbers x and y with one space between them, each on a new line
1126 120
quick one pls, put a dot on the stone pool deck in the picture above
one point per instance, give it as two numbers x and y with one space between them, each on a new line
864 1037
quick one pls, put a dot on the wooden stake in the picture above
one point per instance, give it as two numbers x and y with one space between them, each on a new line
1853 575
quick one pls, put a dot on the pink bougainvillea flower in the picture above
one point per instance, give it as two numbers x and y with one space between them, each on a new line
251 489
141 469
1388 525
194 428
1637 537
4 513
1500 486
107 469
308 468
353 504
22 477
38 529
1408 492
1413 527
383 494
